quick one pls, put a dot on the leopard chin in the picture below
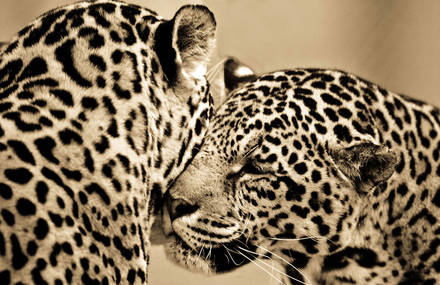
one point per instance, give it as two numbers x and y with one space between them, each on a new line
209 260
180 253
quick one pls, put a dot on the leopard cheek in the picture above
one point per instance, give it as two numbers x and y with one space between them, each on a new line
186 257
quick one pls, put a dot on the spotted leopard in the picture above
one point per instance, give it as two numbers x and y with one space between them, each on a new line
332 176
102 104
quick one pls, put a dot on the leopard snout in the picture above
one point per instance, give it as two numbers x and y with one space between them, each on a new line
178 207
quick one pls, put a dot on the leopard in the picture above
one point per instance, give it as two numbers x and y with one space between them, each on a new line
102 105
332 178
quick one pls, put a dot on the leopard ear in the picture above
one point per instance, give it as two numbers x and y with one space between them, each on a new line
365 165
194 38
185 43
236 74
226 75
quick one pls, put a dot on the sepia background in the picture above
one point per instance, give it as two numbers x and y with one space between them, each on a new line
395 43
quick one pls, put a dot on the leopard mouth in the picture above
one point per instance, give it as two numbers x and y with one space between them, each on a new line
218 258
209 257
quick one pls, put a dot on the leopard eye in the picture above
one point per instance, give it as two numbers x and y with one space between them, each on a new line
249 167
247 164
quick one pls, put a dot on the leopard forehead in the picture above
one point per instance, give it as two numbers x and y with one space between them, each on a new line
317 168
101 108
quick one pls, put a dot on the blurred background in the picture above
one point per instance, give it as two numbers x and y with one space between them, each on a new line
394 43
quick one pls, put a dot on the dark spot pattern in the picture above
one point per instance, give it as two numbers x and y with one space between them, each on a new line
340 158
45 146
22 151
19 175
80 144
25 207
64 55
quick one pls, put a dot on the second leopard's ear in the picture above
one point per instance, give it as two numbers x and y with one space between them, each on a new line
185 43
227 75
236 74
365 165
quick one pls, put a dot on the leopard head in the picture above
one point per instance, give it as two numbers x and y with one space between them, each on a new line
272 180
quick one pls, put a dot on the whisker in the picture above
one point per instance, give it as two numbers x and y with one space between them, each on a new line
247 221
229 253
262 268
201 251
281 272
256 253
290 264
242 233
221 217
315 238
243 226
273 267
244 244
227 258
293 239
208 256
249 152
213 70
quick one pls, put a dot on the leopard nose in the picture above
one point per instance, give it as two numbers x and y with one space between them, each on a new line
178 207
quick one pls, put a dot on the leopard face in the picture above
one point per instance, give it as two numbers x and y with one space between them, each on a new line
102 105
329 175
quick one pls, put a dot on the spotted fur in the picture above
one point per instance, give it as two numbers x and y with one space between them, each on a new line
102 105
332 176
